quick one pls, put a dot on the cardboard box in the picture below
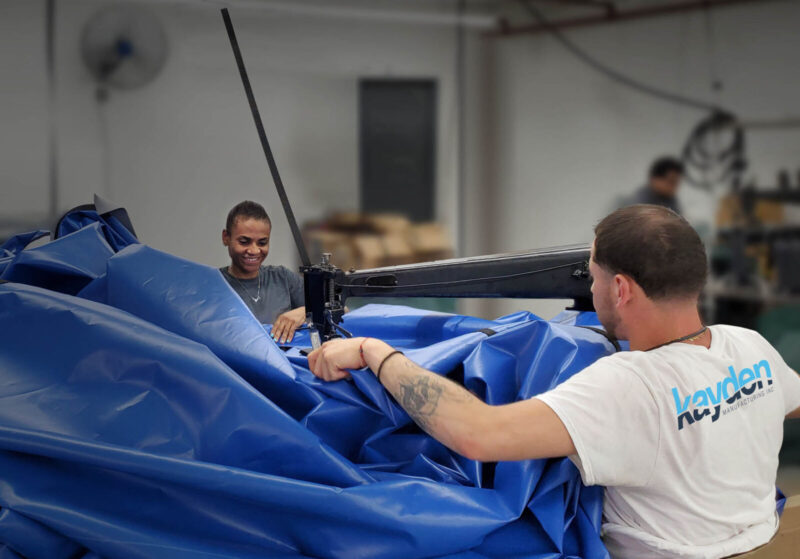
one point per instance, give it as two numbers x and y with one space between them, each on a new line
730 212
368 251
769 212
430 241
337 244
786 543
359 241
397 250
387 223
347 222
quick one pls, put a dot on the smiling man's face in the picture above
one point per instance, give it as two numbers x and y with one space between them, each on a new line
248 246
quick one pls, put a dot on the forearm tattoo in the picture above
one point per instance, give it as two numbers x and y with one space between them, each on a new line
420 398
420 393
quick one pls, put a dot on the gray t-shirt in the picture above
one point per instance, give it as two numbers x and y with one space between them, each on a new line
281 291
646 195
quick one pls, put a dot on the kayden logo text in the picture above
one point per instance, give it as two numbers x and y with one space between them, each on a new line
709 401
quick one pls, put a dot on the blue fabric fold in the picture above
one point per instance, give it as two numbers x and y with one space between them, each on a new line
18 242
66 265
115 233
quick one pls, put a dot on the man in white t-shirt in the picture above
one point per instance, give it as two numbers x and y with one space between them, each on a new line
683 430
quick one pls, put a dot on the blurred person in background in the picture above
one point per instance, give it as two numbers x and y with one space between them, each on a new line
661 189
274 294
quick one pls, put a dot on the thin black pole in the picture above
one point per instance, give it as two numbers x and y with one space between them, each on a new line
50 57
287 208
461 109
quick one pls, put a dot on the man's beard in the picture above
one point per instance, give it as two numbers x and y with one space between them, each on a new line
611 324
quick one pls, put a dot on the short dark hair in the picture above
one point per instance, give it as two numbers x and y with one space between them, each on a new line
662 166
246 210
654 246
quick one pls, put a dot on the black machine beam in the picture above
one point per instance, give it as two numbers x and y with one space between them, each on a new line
555 273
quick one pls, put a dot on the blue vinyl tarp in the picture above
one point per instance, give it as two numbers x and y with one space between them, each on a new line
144 412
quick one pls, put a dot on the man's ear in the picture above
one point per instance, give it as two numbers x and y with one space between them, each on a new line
623 289
225 237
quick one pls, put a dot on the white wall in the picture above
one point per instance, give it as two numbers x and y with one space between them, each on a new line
23 111
569 140
183 149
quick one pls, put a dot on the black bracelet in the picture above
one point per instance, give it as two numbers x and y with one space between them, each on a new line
385 359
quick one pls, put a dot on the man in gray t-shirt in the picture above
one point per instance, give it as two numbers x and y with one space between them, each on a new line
661 189
273 293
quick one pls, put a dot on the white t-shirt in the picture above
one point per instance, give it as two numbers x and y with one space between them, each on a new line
686 441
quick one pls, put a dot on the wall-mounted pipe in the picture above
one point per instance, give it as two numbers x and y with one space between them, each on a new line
607 6
618 15
333 11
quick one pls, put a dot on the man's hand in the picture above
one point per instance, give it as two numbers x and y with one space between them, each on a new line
331 361
287 323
